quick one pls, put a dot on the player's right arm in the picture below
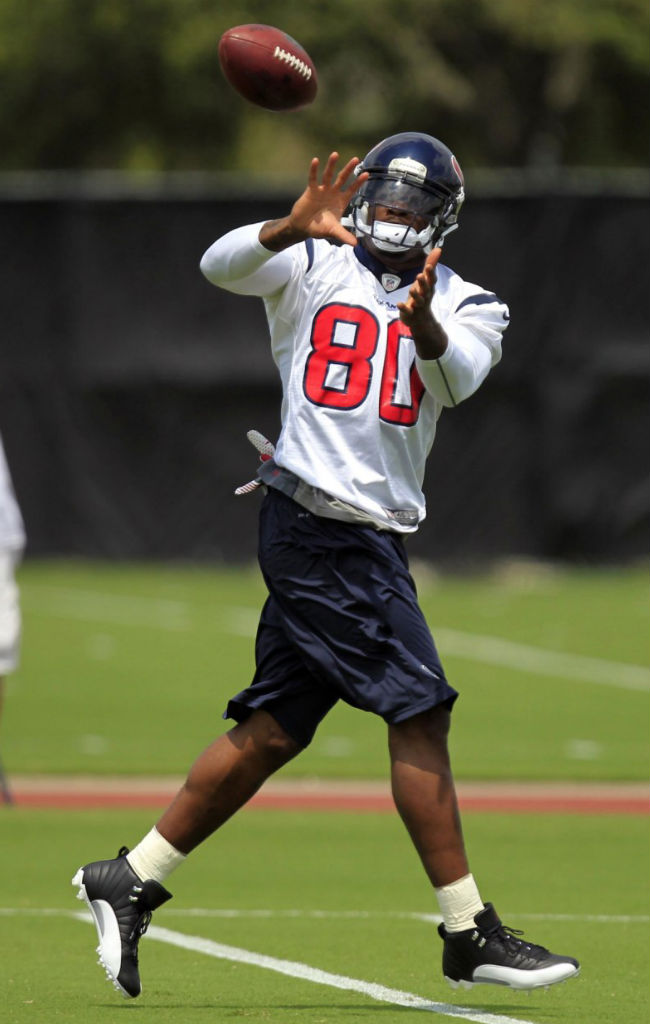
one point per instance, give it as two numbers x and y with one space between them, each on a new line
317 212
250 260
240 263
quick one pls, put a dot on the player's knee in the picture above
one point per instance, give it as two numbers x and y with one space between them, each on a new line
281 748
438 722
278 746
431 727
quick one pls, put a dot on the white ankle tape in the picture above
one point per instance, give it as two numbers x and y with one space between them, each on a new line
459 903
154 857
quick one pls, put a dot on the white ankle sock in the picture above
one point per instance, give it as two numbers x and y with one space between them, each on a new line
459 903
154 857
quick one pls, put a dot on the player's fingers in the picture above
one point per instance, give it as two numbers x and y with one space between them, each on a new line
346 171
328 173
420 287
428 278
432 258
407 312
313 171
345 236
355 185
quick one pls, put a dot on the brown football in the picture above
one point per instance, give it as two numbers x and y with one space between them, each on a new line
268 67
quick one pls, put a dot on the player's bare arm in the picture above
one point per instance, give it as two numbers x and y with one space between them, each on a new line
318 211
430 339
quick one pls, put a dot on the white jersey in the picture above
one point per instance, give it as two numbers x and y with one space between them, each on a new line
12 531
359 408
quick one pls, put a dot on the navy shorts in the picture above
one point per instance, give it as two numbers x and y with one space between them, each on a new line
342 622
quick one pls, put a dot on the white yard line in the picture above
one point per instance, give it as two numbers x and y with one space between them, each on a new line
98 606
161 613
492 650
295 969
352 915
337 915
304 972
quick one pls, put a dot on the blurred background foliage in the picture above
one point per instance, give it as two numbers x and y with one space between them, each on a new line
135 85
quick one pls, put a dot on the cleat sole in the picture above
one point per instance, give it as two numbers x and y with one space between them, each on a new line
523 985
460 983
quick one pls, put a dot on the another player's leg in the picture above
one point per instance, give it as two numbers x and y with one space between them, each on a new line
10 628
5 792
478 948
122 893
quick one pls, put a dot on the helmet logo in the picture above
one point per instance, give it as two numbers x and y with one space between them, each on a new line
405 165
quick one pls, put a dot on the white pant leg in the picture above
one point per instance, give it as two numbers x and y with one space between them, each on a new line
10 619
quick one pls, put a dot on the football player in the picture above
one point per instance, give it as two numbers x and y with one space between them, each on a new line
373 337
12 542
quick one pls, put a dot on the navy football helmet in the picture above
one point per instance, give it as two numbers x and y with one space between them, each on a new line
415 173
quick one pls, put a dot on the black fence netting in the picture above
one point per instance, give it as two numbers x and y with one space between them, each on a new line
128 382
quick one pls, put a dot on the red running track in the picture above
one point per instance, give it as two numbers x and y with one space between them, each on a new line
550 798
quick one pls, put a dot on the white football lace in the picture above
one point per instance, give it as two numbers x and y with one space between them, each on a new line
295 62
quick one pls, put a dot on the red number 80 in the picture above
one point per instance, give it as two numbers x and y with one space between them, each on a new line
339 369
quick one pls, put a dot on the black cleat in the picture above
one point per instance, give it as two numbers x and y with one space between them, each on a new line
492 954
121 905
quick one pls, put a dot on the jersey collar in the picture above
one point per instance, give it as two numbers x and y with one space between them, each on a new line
390 280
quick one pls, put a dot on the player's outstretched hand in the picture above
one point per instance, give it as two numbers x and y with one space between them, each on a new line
317 212
429 337
319 209
417 307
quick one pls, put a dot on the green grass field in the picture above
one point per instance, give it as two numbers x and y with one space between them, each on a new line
126 669
340 893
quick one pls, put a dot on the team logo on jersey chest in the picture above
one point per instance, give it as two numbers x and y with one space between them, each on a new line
390 282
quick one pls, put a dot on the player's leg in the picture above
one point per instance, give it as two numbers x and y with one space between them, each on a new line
477 947
351 604
224 777
122 893
277 716
425 795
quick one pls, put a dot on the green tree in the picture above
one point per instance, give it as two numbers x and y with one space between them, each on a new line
135 84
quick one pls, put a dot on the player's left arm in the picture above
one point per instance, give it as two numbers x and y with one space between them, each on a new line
454 356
